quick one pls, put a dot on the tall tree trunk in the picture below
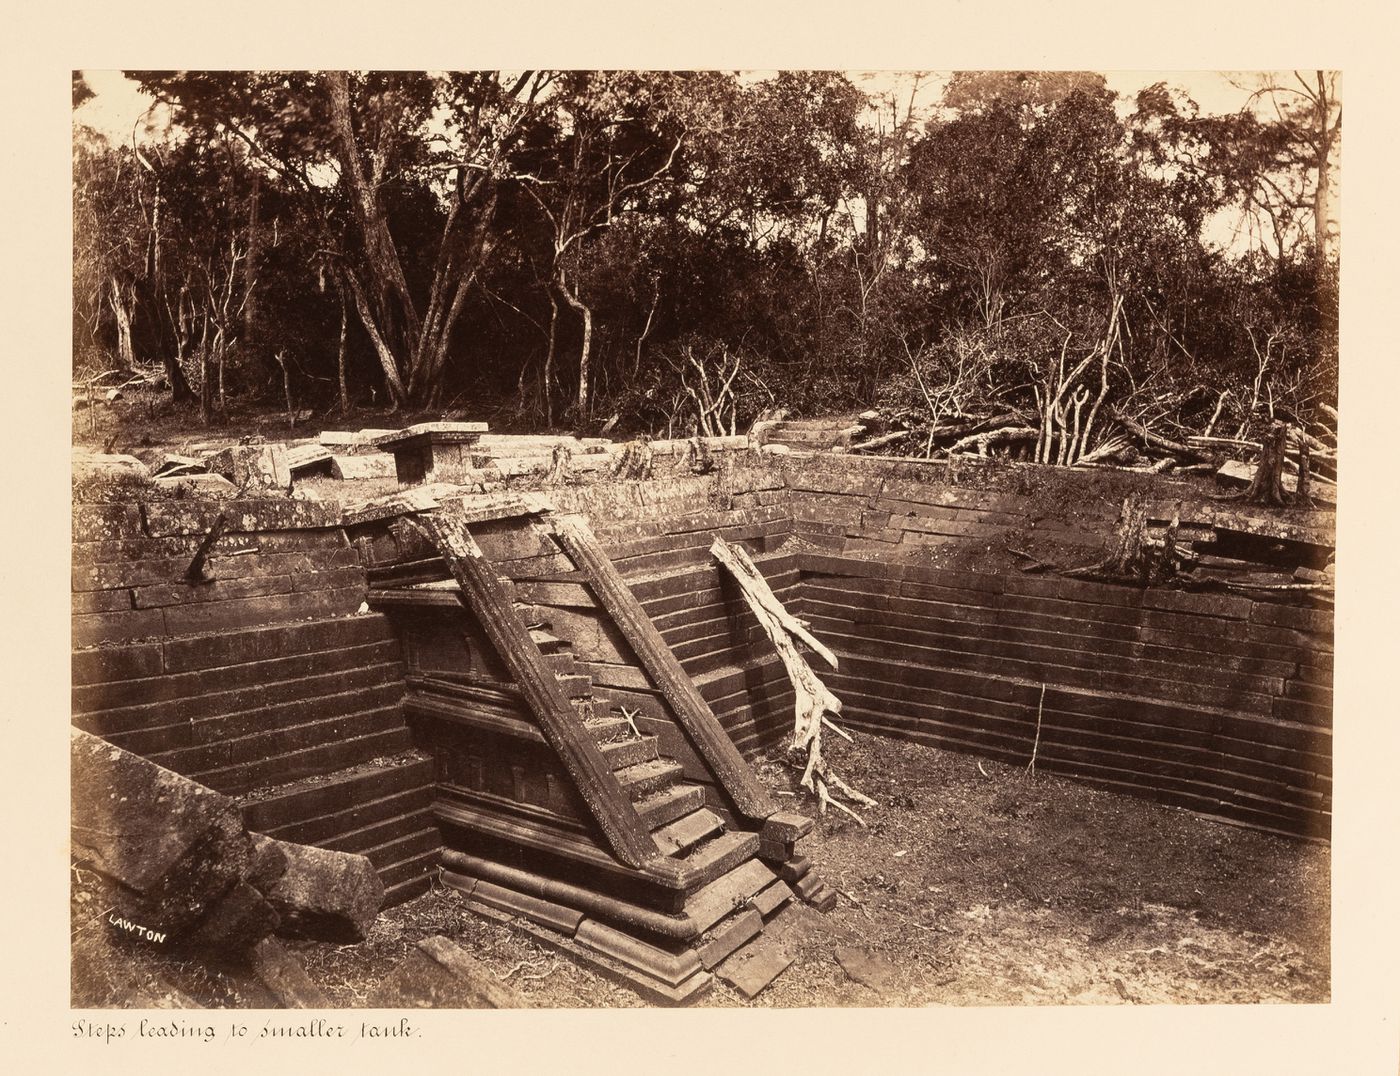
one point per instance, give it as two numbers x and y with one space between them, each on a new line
549 360
126 354
340 354
205 382
387 362
585 349
250 298
395 315
460 261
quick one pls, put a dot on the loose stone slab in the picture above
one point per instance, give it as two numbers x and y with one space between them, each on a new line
333 896
173 846
366 465
743 929
254 466
753 967
302 458
867 968
112 465
439 974
285 976
196 484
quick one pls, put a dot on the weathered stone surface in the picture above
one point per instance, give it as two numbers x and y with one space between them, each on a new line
744 928
214 486
254 467
867 968
172 846
102 464
755 966
303 458
285 976
353 441
172 464
239 920
368 465
439 974
329 895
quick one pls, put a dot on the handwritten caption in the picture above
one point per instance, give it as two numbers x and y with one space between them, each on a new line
176 1030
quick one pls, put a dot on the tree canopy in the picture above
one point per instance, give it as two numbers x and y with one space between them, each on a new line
576 245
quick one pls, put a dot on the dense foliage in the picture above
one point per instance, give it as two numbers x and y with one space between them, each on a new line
578 245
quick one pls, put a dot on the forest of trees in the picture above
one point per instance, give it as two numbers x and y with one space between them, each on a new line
688 250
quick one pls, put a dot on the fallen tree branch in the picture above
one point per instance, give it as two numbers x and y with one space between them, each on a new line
1004 435
885 439
813 701
1156 440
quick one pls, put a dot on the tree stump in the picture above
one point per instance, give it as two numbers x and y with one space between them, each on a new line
1267 485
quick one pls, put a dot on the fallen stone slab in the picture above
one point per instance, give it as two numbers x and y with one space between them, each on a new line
172 847
285 976
352 441
303 459
240 919
753 967
173 464
367 465
110 465
254 467
327 895
439 974
867 968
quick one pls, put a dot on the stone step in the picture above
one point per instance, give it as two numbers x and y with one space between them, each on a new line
607 729
281 811
623 753
418 883
711 858
645 777
575 686
719 898
324 758
547 642
356 813
384 831
412 867
407 846
687 831
661 808
562 662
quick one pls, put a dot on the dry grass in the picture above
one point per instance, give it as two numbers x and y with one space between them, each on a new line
973 883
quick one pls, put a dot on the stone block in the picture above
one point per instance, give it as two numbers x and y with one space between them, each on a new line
173 846
254 467
285 976
753 967
240 919
867 968
439 974
370 465
331 896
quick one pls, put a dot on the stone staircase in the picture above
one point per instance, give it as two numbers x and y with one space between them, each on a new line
614 817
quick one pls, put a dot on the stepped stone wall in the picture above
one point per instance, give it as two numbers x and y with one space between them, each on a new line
266 683
269 675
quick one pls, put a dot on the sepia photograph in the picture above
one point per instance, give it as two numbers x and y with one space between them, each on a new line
720 538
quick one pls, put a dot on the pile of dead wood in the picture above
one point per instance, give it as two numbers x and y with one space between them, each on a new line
1291 463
